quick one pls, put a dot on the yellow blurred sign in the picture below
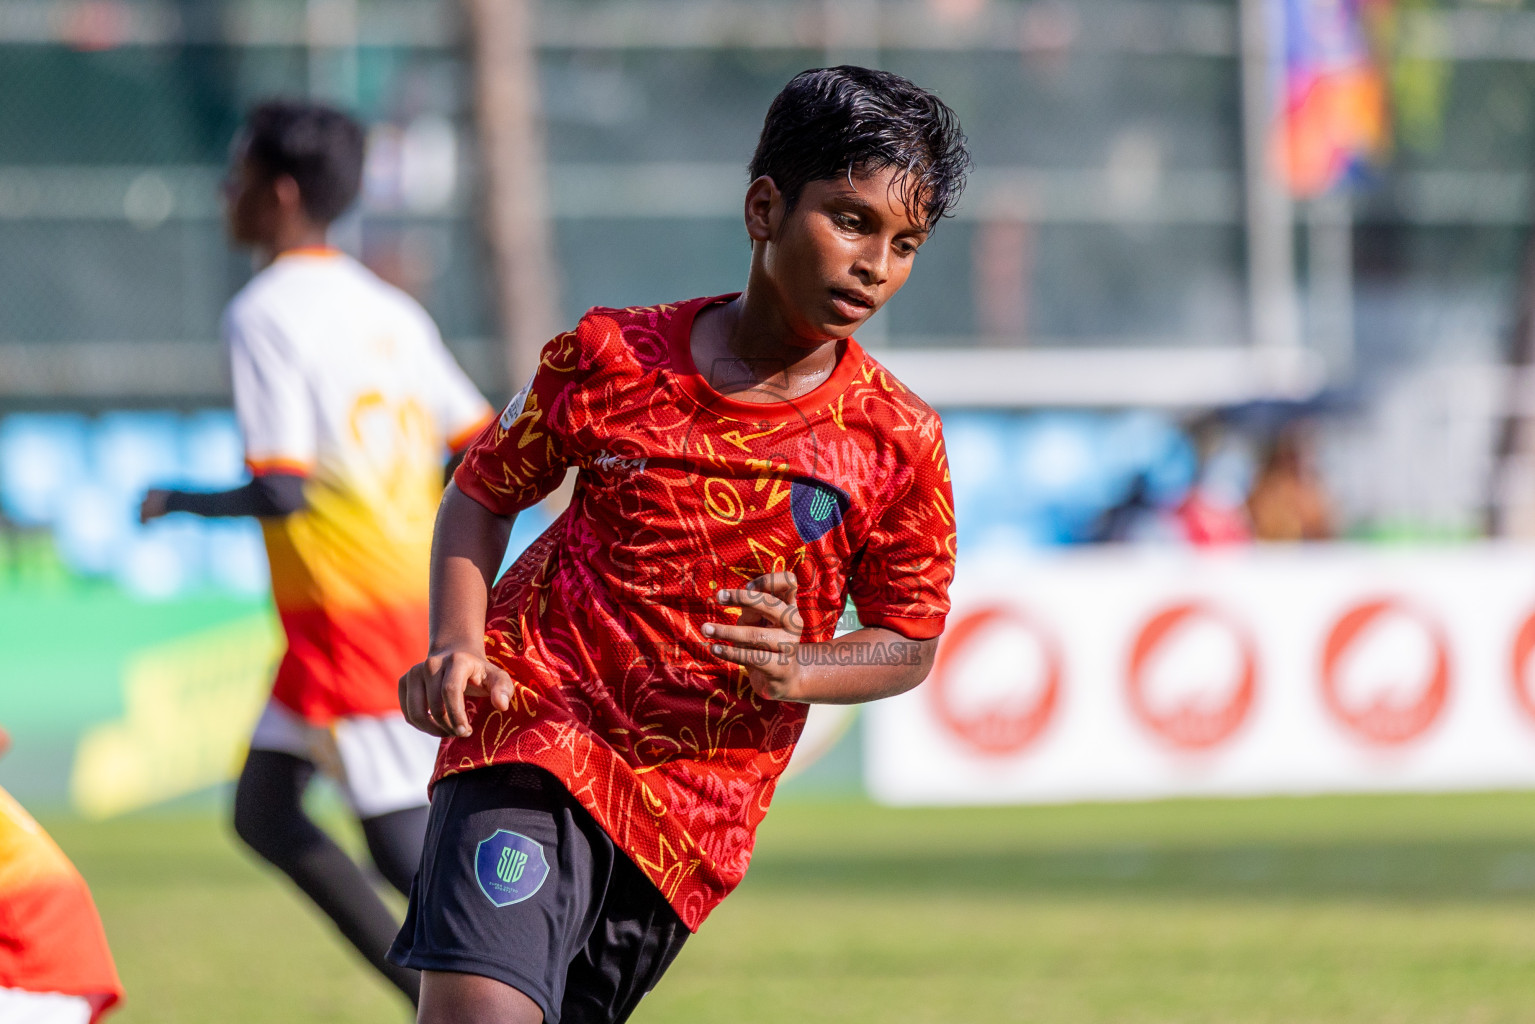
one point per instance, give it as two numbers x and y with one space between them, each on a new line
190 706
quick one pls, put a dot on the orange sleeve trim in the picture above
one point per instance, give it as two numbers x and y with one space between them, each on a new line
459 441
292 467
924 628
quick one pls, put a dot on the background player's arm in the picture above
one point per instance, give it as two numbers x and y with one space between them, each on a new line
467 547
866 664
267 495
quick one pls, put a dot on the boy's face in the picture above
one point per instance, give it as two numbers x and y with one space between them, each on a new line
841 253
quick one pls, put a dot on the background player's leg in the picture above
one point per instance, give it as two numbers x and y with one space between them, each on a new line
394 840
269 816
384 767
451 998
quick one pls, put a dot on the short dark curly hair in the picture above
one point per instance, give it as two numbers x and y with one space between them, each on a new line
830 121
318 146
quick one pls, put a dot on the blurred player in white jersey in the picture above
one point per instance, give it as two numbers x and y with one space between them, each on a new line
349 404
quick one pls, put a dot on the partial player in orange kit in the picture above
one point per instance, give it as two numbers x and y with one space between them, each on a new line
55 967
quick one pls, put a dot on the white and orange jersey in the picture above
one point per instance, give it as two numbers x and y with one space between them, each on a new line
343 378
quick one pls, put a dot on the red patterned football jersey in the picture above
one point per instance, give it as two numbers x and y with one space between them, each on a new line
682 491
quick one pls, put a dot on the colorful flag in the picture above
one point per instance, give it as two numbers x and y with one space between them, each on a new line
1333 118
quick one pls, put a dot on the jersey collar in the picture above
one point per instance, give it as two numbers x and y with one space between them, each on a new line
679 336
311 251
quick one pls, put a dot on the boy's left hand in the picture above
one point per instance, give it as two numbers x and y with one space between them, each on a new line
764 638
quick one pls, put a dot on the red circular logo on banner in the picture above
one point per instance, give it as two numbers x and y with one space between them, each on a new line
1202 720
1008 721
1391 718
1524 646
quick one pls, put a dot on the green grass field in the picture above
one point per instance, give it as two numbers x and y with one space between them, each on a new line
1378 909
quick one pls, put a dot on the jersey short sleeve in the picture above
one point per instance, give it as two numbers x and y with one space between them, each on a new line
459 408
902 576
272 400
522 457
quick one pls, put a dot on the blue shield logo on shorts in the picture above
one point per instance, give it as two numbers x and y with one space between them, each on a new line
510 867
816 507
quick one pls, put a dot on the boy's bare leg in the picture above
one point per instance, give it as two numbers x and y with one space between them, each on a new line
451 998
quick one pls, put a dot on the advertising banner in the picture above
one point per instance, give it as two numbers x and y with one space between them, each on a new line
1137 673
115 703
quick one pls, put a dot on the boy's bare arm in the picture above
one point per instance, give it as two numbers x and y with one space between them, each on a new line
863 665
467 546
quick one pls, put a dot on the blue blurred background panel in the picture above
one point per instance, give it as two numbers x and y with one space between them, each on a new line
234 557
131 451
1021 479
1049 478
213 455
93 526
80 479
42 456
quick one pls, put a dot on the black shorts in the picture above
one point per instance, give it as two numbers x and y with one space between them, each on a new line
518 883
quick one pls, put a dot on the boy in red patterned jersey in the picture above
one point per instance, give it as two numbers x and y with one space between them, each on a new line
618 708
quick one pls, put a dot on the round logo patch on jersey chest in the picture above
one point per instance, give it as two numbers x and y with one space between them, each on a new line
816 506
510 867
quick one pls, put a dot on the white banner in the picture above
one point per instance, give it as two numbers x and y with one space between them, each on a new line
1134 673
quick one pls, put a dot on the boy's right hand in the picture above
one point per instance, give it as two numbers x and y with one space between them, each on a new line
432 693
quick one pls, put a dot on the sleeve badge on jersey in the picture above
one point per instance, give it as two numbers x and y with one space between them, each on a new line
514 407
